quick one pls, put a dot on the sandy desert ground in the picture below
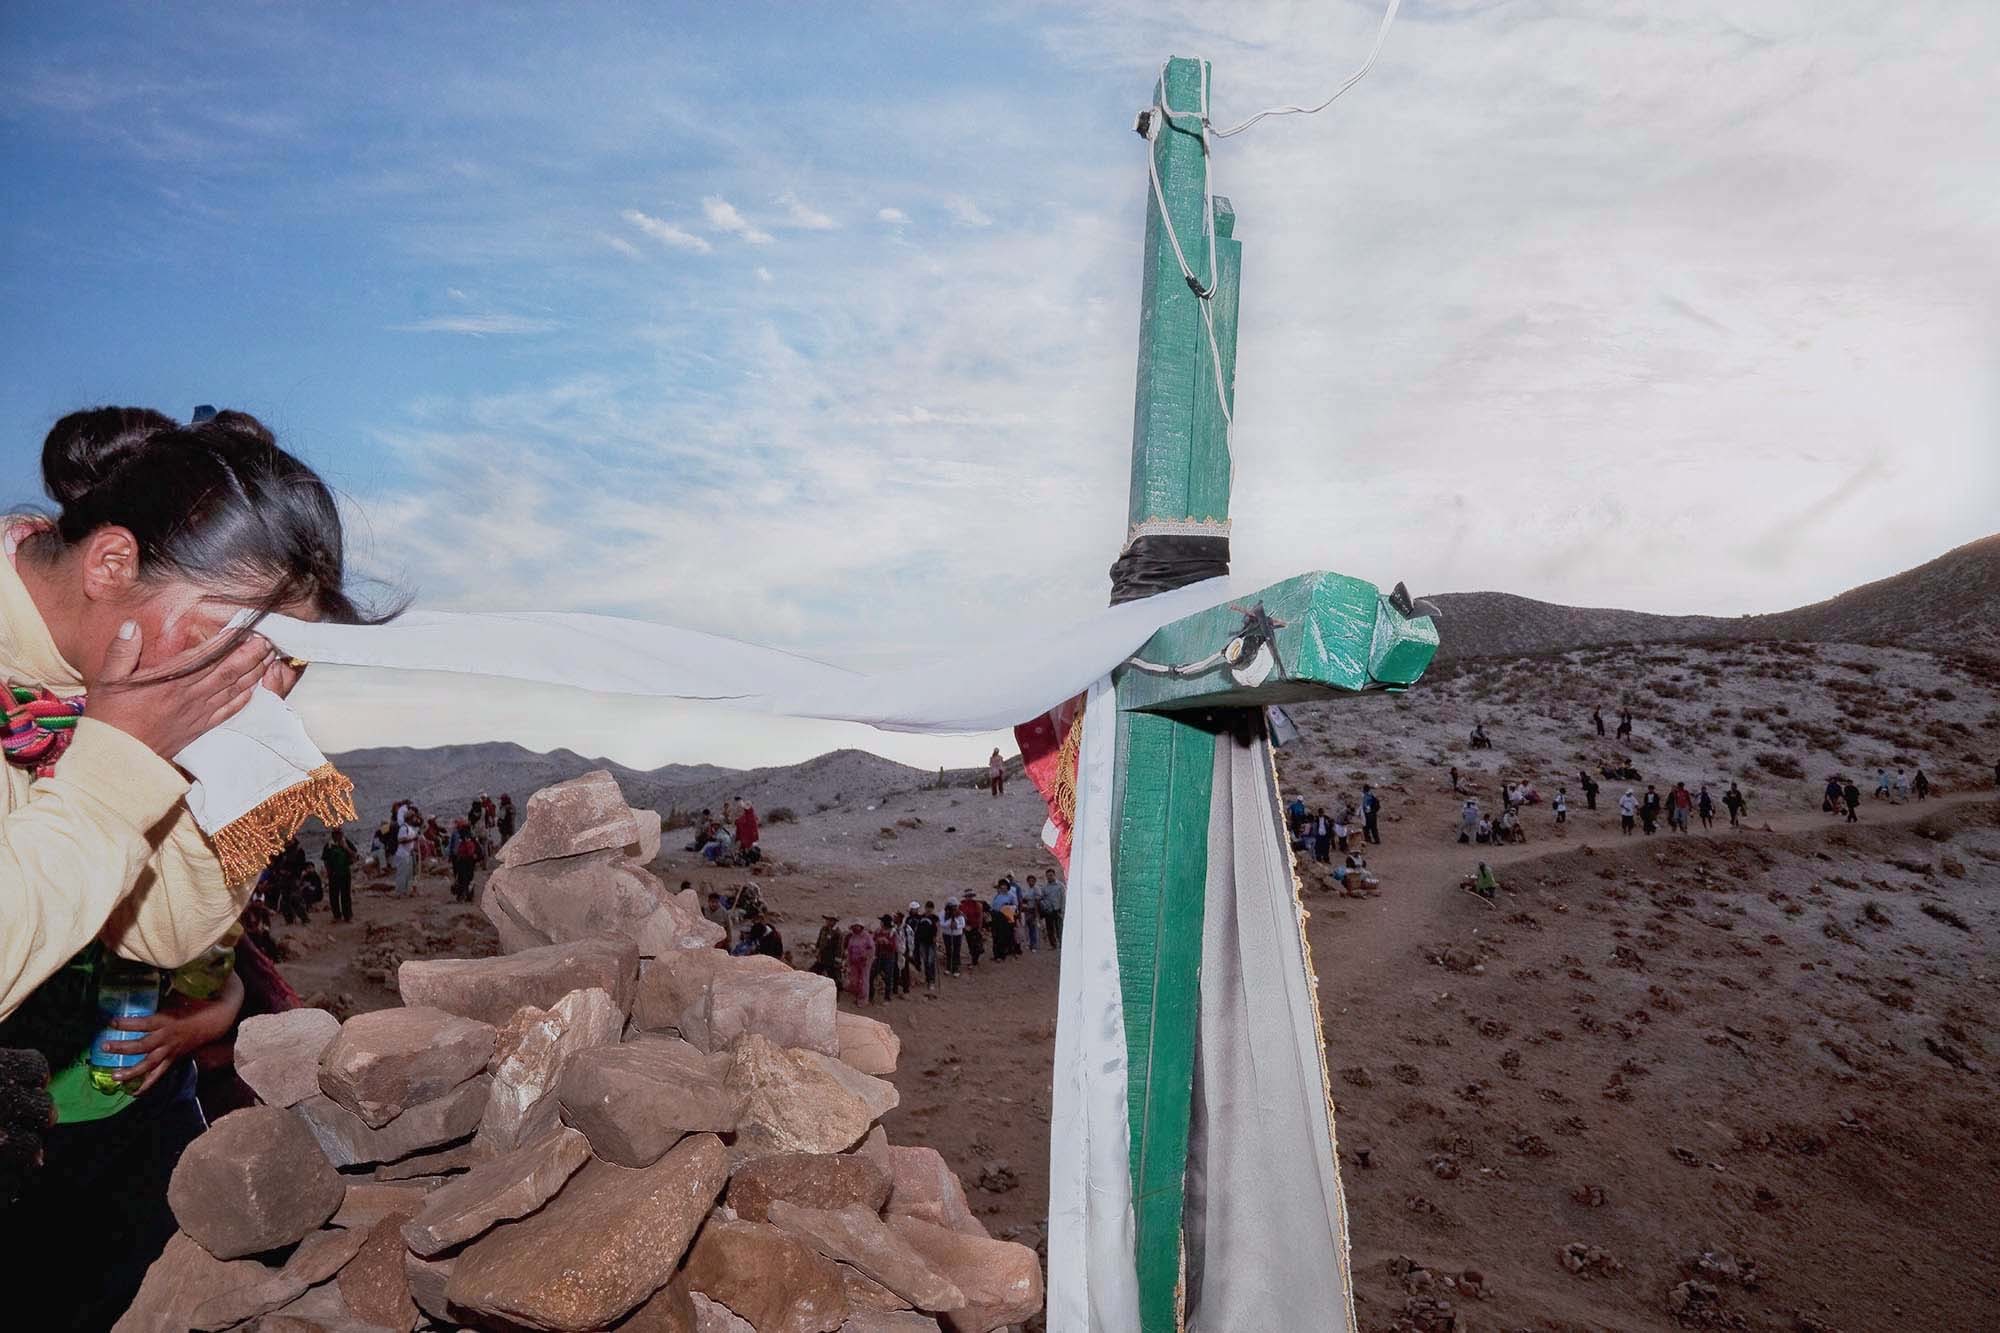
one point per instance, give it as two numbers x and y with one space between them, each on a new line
1729 1079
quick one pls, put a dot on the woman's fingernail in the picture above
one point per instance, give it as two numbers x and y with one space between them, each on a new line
128 629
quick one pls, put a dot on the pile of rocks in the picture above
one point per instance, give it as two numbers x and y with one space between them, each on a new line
613 1125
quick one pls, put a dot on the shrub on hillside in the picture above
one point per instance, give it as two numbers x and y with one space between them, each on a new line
783 814
1780 765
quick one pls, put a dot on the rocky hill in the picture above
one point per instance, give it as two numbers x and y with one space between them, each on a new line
445 779
1951 604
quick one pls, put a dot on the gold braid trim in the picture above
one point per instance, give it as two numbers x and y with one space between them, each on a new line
1062 787
247 844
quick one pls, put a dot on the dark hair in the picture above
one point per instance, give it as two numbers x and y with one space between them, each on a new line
217 503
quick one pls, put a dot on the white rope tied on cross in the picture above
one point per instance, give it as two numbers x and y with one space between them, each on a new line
1169 117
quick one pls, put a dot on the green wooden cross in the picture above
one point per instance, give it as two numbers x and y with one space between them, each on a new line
1312 636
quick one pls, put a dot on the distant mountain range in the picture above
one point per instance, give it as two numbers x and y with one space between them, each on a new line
444 780
1950 604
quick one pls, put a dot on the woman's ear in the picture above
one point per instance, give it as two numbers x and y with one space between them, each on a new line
110 562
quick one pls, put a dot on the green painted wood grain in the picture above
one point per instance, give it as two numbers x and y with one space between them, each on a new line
1167 770
1170 332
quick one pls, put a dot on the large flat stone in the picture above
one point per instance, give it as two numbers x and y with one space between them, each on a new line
584 814
638 1099
866 1295
583 897
1002 1281
317 1258
713 998
877 1094
810 1180
177 1284
889 1321
668 1310
527 1085
923 1186
592 1254
255 1181
715 1317
368 1202
374 1285
507 1187
387 1061
492 989
792 1104
856 1235
278 1054
429 1280
767 1276
867 1044
347 1140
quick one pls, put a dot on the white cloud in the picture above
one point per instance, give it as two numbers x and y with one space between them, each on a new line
478 325
666 233
966 213
722 216
800 214
763 274
895 217
621 245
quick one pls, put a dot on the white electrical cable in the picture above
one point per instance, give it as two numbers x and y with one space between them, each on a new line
1381 35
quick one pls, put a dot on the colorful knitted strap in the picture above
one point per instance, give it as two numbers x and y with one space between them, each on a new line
39 727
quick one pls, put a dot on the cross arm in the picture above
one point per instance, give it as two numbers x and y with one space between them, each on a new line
1313 636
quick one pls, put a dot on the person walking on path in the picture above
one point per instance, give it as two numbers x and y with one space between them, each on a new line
1628 806
1562 805
975 925
338 858
1006 907
1733 799
952 929
1851 794
1458 790
1705 806
1597 720
504 818
925 931
827 949
860 964
1680 803
1588 788
1649 811
1624 724
1052 911
1881 784
996 772
407 835
466 852
1922 785
1902 785
1321 837
1031 915
884 969
1371 812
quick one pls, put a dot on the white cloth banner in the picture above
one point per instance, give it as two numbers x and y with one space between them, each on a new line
1093 1282
1001 683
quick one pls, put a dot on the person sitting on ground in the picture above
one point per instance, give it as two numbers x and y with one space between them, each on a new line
1479 740
1482 882
717 848
1483 831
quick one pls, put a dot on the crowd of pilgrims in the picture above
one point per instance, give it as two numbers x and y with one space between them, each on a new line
899 952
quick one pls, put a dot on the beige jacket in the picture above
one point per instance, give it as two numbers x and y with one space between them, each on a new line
106 846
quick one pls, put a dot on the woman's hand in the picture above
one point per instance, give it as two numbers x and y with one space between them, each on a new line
166 715
172 1035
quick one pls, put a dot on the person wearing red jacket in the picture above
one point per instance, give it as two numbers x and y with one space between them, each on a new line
974 913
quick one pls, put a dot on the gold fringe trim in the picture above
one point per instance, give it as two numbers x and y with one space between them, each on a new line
1062 787
247 844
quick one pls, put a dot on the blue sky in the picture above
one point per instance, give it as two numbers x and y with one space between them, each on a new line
814 325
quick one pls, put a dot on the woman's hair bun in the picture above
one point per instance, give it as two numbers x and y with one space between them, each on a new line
86 447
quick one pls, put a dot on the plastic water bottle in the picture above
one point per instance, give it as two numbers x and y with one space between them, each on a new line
124 990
